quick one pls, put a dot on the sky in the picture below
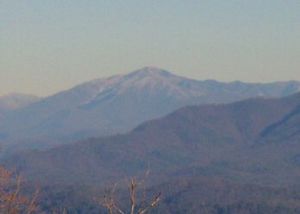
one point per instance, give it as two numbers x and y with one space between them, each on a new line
51 45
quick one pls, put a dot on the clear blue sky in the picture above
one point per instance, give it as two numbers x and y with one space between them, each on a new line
50 45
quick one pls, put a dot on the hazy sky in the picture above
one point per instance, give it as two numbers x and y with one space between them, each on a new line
50 45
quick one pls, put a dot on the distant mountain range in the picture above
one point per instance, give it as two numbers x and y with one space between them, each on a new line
119 103
251 141
237 157
15 101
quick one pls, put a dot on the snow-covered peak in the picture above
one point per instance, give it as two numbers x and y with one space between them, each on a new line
150 71
147 76
147 79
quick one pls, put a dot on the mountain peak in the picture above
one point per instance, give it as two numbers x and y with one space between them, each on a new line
150 71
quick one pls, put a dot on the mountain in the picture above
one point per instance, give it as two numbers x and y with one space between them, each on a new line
119 103
12 102
222 140
288 128
15 101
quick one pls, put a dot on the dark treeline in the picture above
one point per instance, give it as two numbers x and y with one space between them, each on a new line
184 195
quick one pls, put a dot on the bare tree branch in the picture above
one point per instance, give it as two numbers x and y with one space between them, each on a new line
110 204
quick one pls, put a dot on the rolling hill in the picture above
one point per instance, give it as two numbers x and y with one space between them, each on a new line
225 140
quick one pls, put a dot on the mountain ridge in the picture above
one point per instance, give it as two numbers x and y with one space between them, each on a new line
119 103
